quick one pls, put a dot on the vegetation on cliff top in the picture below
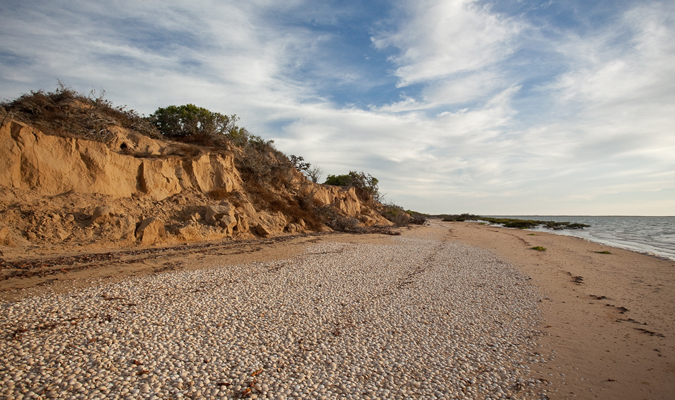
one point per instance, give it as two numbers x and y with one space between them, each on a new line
64 112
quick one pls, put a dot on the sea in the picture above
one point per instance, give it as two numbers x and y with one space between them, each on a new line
649 235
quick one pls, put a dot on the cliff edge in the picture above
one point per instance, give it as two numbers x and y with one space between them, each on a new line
59 192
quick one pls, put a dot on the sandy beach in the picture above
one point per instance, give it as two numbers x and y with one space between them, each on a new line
611 328
603 329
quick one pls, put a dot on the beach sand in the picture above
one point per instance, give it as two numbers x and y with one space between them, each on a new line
608 319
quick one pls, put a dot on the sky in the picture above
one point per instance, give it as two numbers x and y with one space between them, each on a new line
492 107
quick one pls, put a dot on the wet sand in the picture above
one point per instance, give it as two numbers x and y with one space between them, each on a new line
609 318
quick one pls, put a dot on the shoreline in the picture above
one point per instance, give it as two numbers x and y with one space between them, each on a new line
607 317
610 244
350 317
665 252
590 240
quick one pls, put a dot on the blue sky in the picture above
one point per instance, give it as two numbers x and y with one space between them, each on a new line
488 107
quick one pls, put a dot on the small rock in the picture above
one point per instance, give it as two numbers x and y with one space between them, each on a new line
262 230
228 222
214 214
242 224
62 234
150 231
5 238
293 228
189 232
103 214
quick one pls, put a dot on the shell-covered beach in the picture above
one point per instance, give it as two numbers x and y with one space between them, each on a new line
442 311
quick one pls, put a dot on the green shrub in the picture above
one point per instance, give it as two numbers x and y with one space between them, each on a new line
514 222
417 218
365 182
460 217
257 160
189 120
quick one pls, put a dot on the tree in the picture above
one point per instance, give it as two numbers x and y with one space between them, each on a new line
299 163
190 120
359 180
314 173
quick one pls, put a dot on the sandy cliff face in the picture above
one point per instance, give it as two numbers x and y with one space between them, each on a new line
134 190
128 165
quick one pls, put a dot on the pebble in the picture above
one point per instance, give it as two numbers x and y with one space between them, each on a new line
419 318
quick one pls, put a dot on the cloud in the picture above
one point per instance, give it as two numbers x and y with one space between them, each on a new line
622 95
405 151
441 38
169 47
492 113
473 86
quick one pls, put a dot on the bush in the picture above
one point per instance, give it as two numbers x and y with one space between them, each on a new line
344 224
460 217
189 120
515 223
314 173
417 218
65 112
365 182
395 214
191 124
258 159
333 218
299 163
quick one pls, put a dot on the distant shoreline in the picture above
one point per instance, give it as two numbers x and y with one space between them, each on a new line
619 232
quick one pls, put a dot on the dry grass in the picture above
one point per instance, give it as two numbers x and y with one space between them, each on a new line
65 112
395 214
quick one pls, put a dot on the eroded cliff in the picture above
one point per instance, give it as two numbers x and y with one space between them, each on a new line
133 190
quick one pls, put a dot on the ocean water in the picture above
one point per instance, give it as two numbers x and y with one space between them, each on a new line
650 235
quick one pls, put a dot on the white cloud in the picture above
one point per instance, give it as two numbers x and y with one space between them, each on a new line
625 98
472 87
443 37
459 143
641 69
